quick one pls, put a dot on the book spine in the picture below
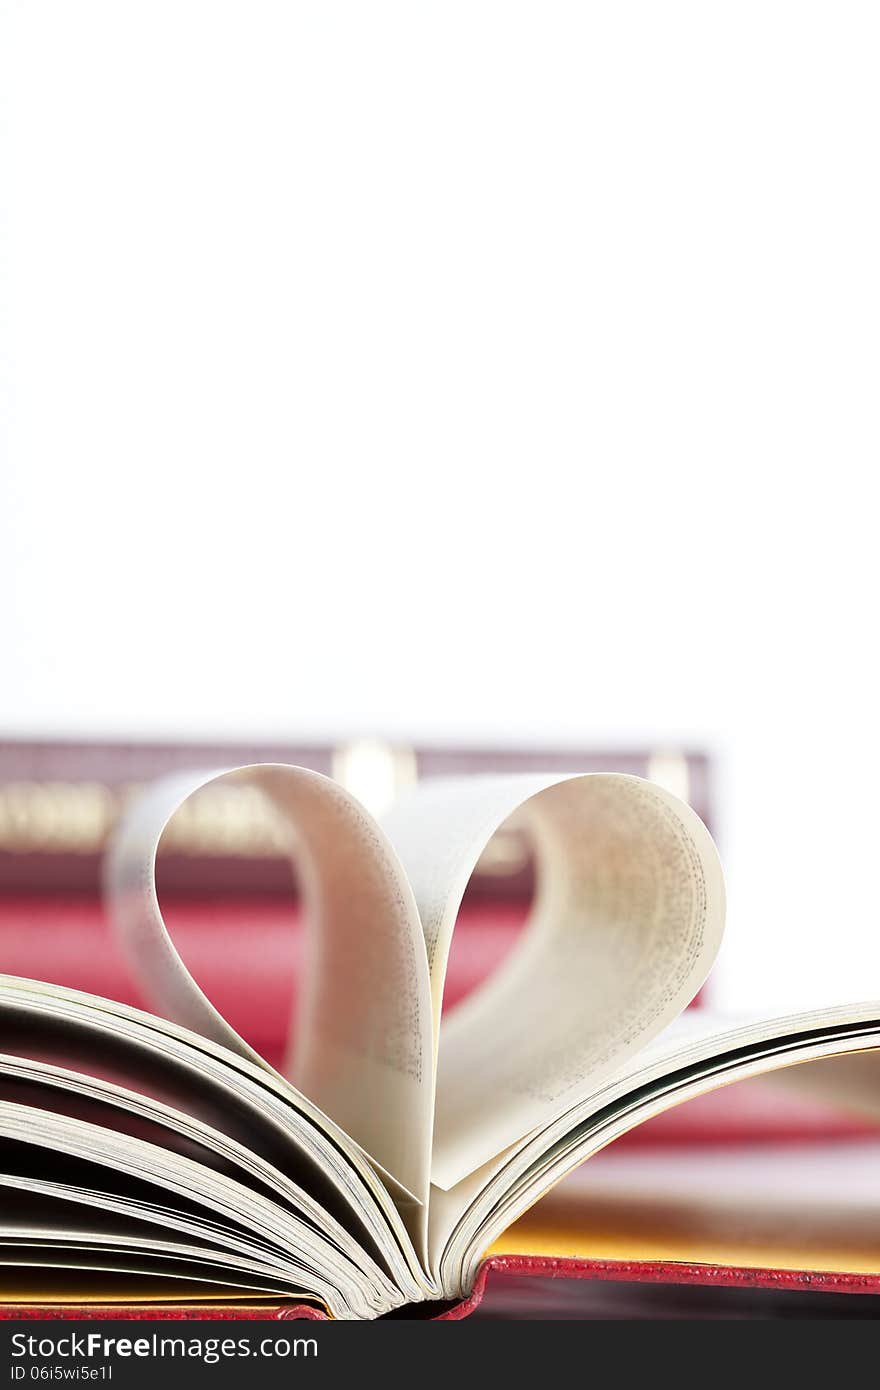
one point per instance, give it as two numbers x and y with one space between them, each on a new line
59 803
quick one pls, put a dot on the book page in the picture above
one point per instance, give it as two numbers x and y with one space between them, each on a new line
94 1059
686 1062
176 1210
626 922
361 1051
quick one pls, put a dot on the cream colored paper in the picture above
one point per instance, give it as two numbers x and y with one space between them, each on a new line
362 1047
627 921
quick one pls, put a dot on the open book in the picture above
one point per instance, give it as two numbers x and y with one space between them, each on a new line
158 1157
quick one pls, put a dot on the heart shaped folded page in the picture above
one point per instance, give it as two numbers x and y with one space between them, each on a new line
626 921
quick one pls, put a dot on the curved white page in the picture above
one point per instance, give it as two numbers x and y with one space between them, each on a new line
627 921
362 1049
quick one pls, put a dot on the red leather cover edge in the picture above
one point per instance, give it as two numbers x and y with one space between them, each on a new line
661 1272
541 1266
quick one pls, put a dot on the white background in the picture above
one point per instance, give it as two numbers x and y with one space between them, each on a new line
466 371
